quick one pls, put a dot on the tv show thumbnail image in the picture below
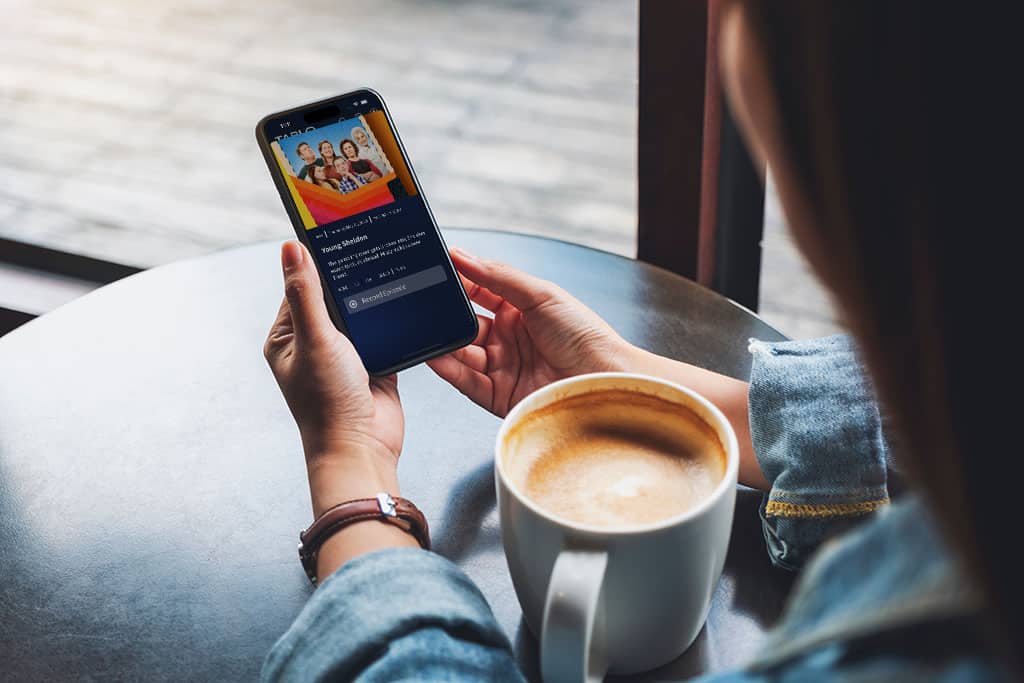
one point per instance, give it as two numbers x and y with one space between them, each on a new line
343 168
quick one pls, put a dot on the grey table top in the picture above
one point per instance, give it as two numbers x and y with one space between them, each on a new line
152 485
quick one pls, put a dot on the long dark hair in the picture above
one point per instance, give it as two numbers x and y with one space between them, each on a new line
871 100
877 117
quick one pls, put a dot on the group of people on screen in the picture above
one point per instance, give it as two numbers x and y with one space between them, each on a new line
356 162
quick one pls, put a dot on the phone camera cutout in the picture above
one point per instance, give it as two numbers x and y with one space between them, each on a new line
322 115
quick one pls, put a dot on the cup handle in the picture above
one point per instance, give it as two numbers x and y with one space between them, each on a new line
572 635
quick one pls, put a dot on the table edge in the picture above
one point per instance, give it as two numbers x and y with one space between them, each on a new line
444 230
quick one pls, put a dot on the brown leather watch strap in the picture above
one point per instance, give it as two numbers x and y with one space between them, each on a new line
384 507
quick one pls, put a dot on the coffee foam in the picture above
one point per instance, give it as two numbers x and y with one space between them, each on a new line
614 458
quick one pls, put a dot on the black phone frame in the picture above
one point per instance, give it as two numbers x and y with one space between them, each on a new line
301 233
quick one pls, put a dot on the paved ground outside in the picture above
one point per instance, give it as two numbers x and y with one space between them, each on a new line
126 128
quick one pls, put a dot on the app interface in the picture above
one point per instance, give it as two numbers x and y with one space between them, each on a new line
371 234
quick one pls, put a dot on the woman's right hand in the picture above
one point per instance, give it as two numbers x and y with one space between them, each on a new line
539 334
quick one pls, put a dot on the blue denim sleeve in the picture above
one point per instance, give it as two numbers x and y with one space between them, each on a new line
394 615
817 434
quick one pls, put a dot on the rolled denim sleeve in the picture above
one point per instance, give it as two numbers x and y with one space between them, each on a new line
394 615
817 435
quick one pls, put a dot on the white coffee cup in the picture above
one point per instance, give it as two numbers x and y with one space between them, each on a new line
620 600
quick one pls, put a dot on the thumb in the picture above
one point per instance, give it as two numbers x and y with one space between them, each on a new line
305 296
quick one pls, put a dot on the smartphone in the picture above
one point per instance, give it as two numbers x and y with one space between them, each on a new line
354 201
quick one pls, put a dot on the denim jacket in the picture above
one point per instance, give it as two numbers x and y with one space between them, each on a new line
878 598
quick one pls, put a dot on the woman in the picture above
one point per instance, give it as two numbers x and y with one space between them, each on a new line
849 103
327 155
369 150
319 177
364 168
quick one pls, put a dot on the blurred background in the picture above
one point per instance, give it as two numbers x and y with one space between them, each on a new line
126 128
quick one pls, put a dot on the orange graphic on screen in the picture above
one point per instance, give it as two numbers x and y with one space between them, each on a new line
343 169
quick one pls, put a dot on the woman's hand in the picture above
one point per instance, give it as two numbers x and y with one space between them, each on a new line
340 411
539 334
351 425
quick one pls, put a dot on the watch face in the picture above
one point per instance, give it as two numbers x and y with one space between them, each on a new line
386 504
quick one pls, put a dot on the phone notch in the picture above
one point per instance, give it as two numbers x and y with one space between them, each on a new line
322 115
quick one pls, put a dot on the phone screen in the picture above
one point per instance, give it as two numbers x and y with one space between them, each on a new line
352 194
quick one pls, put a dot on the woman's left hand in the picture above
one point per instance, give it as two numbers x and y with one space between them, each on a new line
351 425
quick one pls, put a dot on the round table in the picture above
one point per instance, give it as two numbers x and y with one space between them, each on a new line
152 484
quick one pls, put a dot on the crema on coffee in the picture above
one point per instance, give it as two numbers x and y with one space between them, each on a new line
614 458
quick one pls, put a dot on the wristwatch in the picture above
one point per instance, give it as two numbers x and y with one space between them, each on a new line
394 510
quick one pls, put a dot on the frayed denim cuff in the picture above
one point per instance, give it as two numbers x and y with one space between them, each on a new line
817 435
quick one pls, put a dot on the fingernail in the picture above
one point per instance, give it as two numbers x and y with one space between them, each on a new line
465 255
291 255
